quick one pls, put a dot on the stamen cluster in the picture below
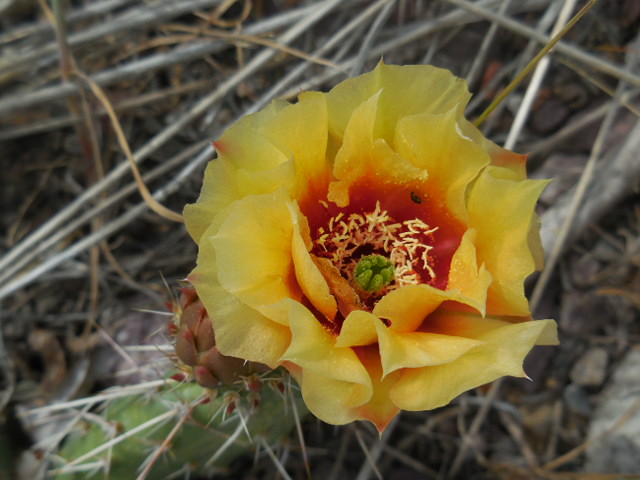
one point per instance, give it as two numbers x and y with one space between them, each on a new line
407 245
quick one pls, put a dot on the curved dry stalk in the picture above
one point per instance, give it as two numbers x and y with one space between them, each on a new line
131 19
152 145
256 40
153 204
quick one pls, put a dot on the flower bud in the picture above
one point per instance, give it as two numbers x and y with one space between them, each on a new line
195 346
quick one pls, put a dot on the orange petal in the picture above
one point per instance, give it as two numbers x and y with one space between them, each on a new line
499 156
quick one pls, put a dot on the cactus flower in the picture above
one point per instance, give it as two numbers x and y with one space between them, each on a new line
373 242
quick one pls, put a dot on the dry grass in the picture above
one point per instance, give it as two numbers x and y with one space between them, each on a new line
83 257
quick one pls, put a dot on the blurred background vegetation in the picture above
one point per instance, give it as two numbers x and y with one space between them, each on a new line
86 267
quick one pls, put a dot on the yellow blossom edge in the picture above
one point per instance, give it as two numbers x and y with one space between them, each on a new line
501 353
257 279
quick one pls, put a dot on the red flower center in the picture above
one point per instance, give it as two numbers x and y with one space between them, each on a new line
412 230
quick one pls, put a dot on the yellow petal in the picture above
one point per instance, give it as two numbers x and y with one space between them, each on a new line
502 351
408 307
404 91
213 198
281 145
434 143
417 349
240 331
361 157
253 251
499 156
333 379
501 210
359 328
243 332
535 242
309 278
379 410
465 276
224 183
246 146
300 131
352 159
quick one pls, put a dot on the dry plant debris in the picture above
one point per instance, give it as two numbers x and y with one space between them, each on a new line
84 263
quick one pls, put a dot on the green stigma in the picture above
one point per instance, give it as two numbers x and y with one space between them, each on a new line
373 273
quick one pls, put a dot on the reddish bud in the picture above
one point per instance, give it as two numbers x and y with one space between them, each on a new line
186 348
173 329
190 317
254 400
189 296
204 333
179 377
277 385
254 383
205 378
230 399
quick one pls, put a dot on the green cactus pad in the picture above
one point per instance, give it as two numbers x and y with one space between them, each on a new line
196 441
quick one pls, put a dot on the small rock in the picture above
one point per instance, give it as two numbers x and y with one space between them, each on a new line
619 407
583 314
549 116
577 399
591 368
